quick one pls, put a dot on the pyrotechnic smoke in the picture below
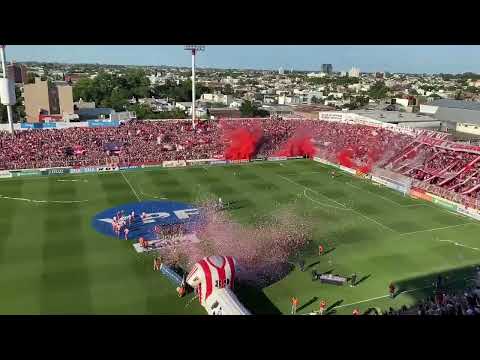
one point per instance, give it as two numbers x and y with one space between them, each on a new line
300 144
349 158
242 142
262 251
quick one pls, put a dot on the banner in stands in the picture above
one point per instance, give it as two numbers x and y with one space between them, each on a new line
218 162
5 174
276 158
98 123
475 214
417 193
174 163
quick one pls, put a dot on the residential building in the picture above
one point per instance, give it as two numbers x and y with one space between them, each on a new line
17 72
80 104
42 99
354 72
217 98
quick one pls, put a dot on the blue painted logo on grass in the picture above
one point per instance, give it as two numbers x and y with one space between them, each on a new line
157 213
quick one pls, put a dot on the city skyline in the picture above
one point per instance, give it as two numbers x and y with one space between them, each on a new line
368 58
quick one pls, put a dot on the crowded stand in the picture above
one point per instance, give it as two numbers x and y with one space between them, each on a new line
149 142
444 167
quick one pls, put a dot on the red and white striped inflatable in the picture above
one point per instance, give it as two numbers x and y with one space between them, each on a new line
213 278
211 273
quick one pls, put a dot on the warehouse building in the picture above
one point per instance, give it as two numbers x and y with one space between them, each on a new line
455 115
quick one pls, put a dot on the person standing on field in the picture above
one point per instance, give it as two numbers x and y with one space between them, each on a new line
323 306
353 280
294 305
391 289
320 250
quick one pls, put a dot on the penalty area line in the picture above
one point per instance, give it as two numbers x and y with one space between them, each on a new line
310 189
131 187
440 228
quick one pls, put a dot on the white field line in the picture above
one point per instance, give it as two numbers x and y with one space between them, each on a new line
460 244
343 205
310 189
400 293
43 201
70 180
131 187
384 198
381 297
435 229
323 204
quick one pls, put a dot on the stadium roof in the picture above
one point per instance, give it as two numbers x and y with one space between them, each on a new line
456 104
394 116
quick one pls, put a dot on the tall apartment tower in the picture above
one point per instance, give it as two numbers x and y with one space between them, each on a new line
42 99
327 68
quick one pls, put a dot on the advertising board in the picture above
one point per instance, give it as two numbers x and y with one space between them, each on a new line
57 171
174 163
26 172
475 214
99 123
218 162
417 193
5 174
107 168
238 161
276 158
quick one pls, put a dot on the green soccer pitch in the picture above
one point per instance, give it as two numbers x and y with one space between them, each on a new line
52 261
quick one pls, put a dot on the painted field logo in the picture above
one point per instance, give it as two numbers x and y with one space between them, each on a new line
157 213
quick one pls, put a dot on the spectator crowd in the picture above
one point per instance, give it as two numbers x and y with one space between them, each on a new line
448 173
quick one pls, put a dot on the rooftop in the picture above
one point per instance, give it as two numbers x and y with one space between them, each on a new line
456 104
394 116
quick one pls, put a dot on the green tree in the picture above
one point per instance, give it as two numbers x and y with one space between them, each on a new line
227 89
378 90
247 109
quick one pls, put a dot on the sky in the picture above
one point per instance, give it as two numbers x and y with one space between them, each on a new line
369 58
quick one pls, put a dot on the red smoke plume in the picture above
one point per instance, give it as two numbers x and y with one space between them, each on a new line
347 157
242 143
300 144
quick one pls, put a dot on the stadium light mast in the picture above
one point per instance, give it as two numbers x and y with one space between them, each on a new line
194 49
7 91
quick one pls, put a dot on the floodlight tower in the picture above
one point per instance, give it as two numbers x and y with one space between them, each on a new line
7 90
194 49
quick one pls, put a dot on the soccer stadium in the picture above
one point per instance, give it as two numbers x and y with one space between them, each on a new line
268 214
238 216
